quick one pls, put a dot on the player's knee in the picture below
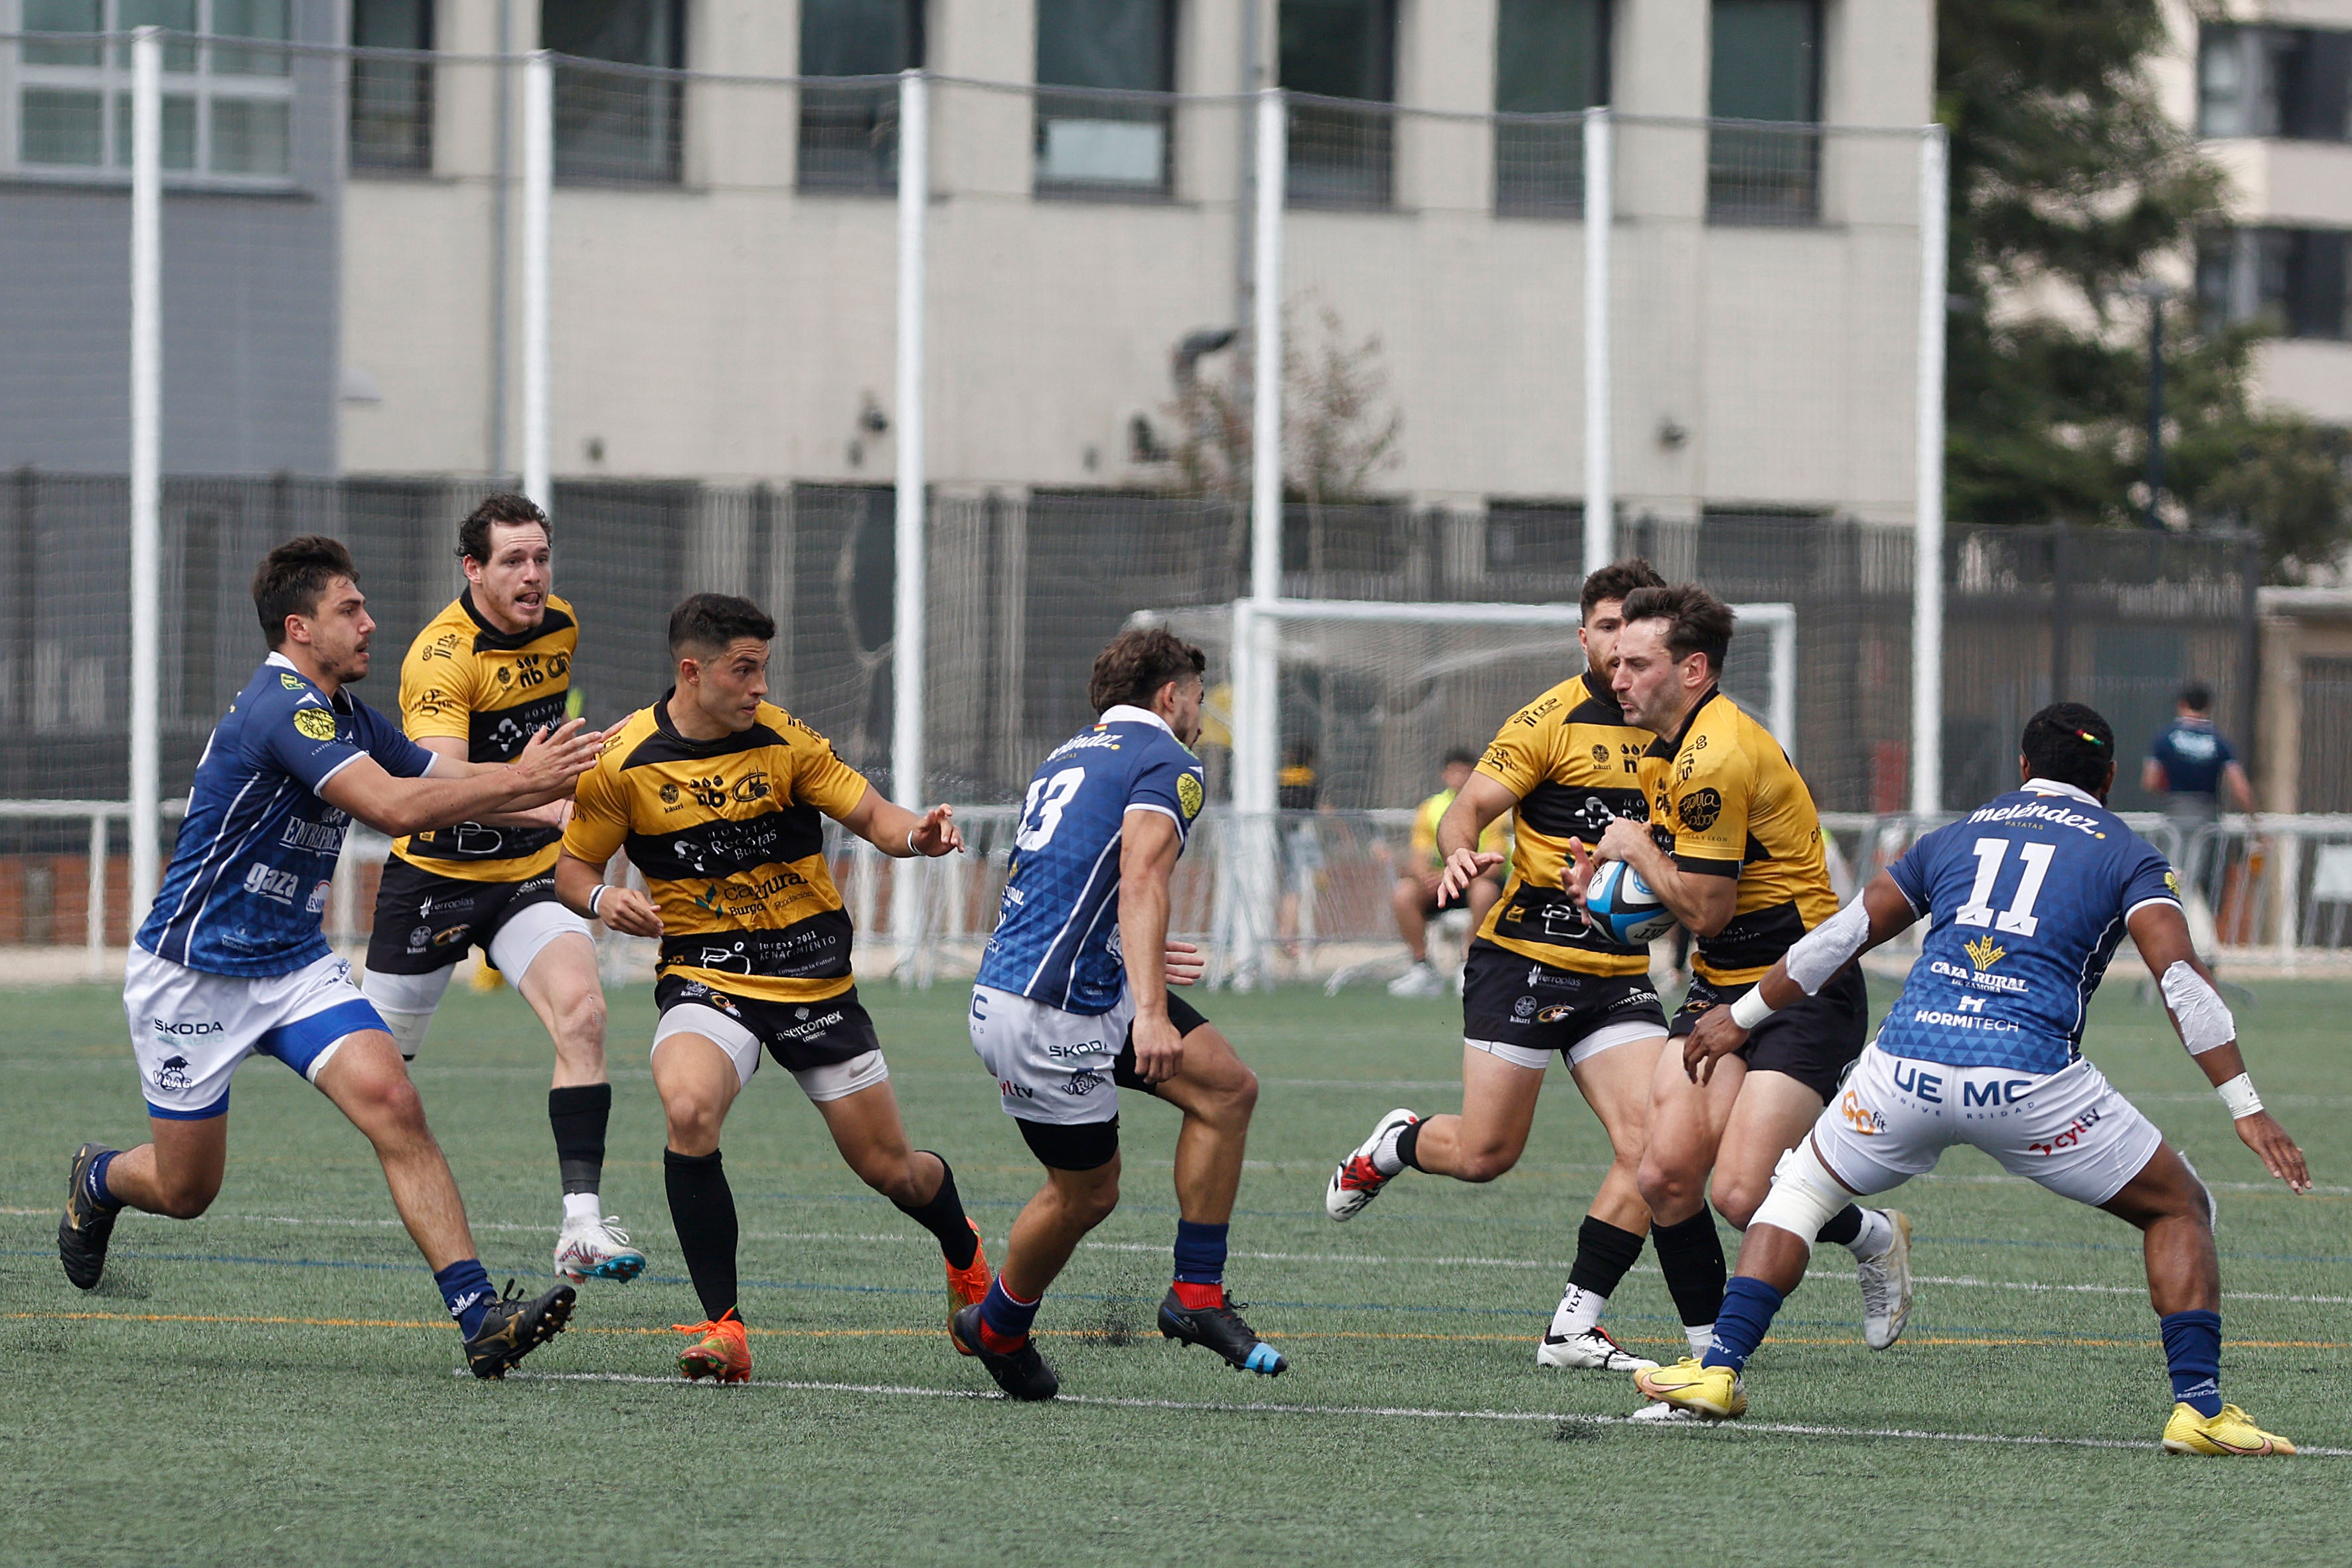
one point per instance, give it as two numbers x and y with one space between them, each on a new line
580 1024
1087 1197
1235 1098
694 1119
894 1174
1736 1199
1669 1185
1485 1164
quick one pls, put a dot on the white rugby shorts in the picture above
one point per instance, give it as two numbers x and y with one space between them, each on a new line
514 950
190 1029
832 1081
1049 1065
2069 1130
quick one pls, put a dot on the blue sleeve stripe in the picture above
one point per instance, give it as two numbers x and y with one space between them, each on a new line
217 1108
298 1043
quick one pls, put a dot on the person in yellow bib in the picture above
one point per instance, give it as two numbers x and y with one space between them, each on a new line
1416 895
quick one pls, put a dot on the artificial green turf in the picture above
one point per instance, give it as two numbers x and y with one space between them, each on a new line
128 1439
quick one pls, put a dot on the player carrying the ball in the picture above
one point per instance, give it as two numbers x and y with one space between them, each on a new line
717 795
2027 899
1733 847
1542 980
484 674
1072 1004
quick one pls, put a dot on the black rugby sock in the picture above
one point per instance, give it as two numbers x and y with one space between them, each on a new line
1407 1144
1691 1257
1603 1254
1843 1227
702 1210
578 1115
943 1217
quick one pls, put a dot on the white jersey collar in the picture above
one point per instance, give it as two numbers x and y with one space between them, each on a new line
2071 791
278 658
1128 713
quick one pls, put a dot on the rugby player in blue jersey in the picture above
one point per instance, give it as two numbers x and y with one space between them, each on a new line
230 961
2027 899
1072 1004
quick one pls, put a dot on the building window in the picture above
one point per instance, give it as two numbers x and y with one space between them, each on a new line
849 132
227 109
2294 280
2289 83
1091 136
1551 58
392 98
1767 69
615 124
1342 155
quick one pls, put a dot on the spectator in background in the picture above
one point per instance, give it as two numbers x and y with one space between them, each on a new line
2189 766
1416 888
1296 788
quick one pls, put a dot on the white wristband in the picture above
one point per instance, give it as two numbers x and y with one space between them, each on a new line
2239 1095
1752 1009
911 850
597 898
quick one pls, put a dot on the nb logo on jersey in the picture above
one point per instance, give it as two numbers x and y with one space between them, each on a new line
710 793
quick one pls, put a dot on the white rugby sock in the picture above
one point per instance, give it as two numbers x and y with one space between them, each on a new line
1386 1160
1701 1336
1877 1234
1579 1312
582 1209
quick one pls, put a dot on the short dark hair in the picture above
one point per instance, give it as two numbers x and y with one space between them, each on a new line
1459 756
710 621
505 509
2070 743
1697 621
292 576
1137 663
2197 697
1617 581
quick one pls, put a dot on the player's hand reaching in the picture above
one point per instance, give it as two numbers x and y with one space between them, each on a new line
1463 867
936 834
552 759
629 912
1715 1037
1159 1048
1182 963
1626 837
2265 1137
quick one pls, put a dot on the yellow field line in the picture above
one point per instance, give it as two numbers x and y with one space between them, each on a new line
1944 1340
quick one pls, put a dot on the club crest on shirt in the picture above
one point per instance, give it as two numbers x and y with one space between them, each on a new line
1699 809
1188 794
290 682
314 723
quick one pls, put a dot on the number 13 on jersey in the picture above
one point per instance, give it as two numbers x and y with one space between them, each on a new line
1041 814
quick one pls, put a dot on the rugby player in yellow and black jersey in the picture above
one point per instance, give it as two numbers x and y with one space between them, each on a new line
485 674
1540 981
1742 866
718 797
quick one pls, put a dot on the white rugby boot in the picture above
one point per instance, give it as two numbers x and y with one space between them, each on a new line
1885 1282
1357 1181
594 1248
1592 1347
1420 980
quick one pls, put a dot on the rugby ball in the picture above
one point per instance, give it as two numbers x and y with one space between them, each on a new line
1621 905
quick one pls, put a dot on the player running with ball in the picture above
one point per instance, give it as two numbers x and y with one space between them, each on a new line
1072 1004
2027 899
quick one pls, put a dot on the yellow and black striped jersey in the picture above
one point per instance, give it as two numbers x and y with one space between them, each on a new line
728 838
1736 807
1575 764
464 680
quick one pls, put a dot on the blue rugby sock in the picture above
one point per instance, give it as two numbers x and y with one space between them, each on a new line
99 1190
2192 1352
1004 1318
1200 1253
1748 1307
467 1288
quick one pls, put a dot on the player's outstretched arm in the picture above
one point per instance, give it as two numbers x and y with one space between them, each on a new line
895 830
582 888
452 752
1480 800
463 791
1148 845
1880 915
2202 1021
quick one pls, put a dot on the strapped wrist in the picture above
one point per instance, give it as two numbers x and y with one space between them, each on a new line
596 900
1751 1009
2239 1095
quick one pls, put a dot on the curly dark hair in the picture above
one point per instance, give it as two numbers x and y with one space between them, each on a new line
2073 744
292 576
505 509
1137 663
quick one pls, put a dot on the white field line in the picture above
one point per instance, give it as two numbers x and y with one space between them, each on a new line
1266 1407
1963 1281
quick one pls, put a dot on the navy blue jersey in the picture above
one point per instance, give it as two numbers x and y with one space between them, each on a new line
1057 937
2026 897
2193 754
249 872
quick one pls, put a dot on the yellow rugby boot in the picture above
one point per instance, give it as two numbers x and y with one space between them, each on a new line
1713 1392
2232 1432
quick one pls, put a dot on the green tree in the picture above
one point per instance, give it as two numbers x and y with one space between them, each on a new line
2069 186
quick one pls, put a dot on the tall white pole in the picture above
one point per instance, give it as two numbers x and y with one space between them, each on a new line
1599 476
1254 762
907 685
1928 568
146 461
537 195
